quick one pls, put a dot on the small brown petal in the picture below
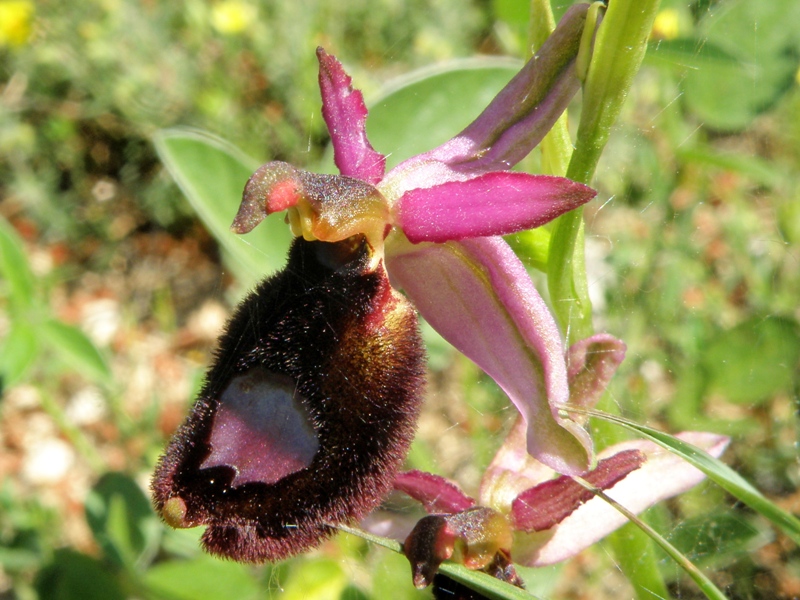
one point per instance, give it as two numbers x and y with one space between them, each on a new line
591 365
549 503
437 494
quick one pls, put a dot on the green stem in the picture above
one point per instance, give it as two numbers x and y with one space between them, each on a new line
619 47
644 588
618 51
540 25
566 277
556 147
569 290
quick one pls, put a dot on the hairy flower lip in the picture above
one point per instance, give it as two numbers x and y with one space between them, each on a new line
322 356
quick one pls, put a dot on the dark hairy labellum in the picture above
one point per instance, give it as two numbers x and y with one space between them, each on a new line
305 415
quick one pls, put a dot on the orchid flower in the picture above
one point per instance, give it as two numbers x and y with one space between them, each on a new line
307 413
524 511
435 221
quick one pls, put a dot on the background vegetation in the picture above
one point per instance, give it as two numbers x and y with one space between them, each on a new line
112 291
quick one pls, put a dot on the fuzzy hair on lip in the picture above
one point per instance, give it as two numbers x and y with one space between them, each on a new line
306 414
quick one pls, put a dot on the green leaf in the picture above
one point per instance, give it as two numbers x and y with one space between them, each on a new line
762 171
212 174
314 579
689 53
755 360
204 578
19 350
75 576
395 579
766 61
748 88
476 580
122 521
182 543
427 107
77 350
717 471
789 220
757 30
19 559
719 539
14 266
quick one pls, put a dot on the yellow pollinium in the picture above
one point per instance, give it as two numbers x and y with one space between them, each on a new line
174 513
337 216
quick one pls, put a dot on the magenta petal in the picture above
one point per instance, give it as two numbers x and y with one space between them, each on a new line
513 123
526 109
478 296
591 363
437 494
345 114
663 475
493 204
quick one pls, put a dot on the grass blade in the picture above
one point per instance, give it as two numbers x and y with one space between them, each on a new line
475 580
716 470
14 267
77 350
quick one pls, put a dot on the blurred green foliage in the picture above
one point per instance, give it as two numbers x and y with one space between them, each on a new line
693 255
95 80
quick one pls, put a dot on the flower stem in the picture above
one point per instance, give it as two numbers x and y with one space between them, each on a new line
566 264
619 47
618 50
646 589
556 147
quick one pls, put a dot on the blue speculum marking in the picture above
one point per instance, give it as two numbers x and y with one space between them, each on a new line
261 429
